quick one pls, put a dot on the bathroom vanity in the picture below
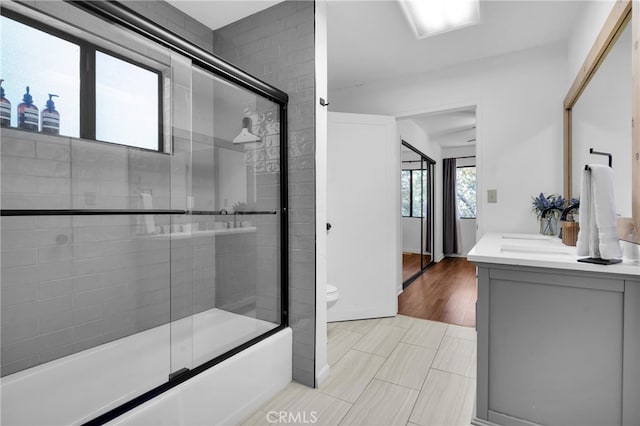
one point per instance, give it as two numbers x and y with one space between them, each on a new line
558 340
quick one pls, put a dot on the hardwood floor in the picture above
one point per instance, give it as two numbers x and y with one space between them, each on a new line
411 264
447 292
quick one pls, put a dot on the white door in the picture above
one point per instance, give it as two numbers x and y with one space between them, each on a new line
363 208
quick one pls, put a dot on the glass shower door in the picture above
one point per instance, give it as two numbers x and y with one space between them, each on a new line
236 216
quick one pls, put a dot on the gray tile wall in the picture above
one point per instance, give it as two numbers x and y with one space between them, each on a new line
164 14
71 283
277 46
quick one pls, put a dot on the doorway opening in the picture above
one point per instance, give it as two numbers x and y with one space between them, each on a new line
447 291
417 186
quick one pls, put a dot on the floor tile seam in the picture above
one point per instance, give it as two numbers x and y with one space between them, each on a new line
398 384
353 404
415 403
345 352
369 353
419 346
336 397
451 372
369 383
372 377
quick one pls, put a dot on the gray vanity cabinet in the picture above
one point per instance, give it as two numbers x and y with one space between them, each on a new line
557 347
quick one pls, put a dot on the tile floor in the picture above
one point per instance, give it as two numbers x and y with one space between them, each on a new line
387 371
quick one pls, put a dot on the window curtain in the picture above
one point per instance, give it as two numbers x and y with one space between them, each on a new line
450 233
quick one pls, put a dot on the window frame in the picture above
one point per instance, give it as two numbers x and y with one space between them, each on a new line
476 212
423 172
87 75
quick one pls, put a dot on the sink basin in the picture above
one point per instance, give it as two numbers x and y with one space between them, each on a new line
551 250
527 237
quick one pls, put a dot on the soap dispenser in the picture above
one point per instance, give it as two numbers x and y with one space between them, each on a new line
28 113
5 108
50 118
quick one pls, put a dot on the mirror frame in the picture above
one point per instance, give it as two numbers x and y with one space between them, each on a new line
621 14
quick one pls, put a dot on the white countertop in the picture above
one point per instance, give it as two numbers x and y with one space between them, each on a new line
540 251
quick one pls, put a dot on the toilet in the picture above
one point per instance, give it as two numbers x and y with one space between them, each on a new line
332 295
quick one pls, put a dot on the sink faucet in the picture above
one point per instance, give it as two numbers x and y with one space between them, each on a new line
568 210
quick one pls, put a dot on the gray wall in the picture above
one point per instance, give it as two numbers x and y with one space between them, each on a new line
162 13
277 46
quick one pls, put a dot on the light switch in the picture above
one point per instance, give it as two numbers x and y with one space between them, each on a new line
492 195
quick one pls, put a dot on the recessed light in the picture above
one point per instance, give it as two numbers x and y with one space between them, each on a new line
430 17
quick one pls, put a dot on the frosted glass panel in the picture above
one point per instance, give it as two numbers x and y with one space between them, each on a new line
45 63
126 103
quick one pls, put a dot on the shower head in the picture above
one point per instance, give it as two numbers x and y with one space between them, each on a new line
245 135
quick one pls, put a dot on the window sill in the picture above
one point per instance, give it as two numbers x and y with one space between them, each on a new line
31 135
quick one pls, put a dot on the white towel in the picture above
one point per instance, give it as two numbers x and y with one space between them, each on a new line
598 236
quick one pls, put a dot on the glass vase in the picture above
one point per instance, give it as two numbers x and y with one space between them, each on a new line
549 224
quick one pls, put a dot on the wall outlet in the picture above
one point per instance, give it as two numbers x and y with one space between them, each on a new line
492 195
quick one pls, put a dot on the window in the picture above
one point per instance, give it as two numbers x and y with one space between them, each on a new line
466 191
45 63
109 98
126 103
413 192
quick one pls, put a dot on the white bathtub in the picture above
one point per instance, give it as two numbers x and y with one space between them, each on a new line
79 387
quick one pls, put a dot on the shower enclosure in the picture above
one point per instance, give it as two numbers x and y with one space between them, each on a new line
128 269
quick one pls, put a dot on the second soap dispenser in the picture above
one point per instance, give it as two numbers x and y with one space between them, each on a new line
28 113
50 118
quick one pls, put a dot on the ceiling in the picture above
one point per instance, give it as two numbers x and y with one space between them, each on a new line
370 40
450 128
218 13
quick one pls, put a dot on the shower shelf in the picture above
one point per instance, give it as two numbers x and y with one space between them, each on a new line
111 212
208 233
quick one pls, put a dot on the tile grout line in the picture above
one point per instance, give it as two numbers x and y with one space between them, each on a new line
374 377
350 347
451 372
419 346
370 381
425 381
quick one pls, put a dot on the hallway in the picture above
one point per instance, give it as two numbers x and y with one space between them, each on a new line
447 292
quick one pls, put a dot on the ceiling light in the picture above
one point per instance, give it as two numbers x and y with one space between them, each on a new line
429 17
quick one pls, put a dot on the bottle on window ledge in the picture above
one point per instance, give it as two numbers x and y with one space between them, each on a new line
5 108
50 118
28 113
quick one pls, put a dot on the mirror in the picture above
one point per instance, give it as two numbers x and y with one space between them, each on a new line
601 119
599 110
